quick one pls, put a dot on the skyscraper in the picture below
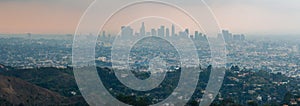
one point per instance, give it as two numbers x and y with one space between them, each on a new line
173 30
227 36
143 30
153 32
243 37
196 36
167 32
237 37
187 32
148 33
161 31
126 31
103 34
181 34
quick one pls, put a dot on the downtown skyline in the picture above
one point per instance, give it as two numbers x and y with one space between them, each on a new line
61 17
170 31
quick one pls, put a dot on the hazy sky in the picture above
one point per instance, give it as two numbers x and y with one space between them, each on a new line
240 16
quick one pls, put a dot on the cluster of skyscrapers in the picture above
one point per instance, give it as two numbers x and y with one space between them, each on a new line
162 31
231 37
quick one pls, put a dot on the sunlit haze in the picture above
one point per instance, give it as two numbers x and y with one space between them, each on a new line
265 17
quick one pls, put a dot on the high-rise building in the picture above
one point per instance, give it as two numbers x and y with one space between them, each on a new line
220 36
237 37
227 36
161 31
103 34
153 32
196 36
122 27
191 36
148 33
167 32
187 31
243 37
126 31
196 33
173 30
136 34
181 34
204 38
143 30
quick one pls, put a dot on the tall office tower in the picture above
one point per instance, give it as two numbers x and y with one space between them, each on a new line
191 36
158 32
161 31
167 32
173 30
122 32
153 32
204 38
196 36
187 32
220 36
103 34
143 30
243 37
237 37
148 33
127 31
181 34
122 27
201 37
227 36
